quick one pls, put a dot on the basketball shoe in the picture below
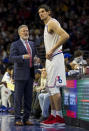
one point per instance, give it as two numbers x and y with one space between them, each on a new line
51 121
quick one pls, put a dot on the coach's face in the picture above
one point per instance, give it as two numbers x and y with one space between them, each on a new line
24 33
43 14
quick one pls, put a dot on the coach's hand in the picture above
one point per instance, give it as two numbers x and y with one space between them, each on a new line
27 56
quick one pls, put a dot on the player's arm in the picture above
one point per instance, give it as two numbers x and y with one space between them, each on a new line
53 27
64 36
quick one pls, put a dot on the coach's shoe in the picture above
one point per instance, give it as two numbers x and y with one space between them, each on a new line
29 123
19 123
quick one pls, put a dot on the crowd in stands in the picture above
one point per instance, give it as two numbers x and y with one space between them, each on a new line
73 17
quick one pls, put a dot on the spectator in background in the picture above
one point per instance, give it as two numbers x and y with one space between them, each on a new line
78 62
7 86
35 111
37 63
43 96
67 57
78 58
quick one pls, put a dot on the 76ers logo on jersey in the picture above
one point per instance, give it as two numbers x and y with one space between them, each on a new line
58 79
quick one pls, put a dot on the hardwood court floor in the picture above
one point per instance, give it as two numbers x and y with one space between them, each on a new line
7 124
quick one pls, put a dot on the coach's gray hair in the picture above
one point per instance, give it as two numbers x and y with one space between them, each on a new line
21 26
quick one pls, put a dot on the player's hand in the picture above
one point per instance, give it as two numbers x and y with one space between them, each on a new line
27 56
49 55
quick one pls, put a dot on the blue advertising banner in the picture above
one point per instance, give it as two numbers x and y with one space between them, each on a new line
70 99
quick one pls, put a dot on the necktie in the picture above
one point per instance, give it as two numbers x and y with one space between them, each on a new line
29 52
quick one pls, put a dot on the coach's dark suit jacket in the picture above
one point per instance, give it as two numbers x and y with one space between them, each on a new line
23 76
21 66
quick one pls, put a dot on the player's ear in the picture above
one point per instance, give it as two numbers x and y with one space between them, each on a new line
49 12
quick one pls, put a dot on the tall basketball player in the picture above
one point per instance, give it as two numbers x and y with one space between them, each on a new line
54 37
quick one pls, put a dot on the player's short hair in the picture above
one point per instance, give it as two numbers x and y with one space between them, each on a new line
46 7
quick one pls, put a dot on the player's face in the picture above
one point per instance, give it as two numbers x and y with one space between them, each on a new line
43 14
24 33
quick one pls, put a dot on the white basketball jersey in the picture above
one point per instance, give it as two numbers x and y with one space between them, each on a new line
55 67
51 39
